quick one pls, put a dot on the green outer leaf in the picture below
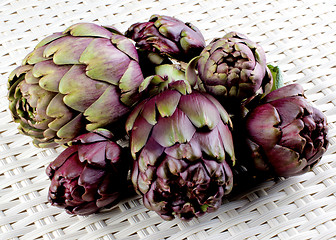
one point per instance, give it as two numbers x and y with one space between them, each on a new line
170 71
277 77
66 50
49 39
167 102
191 74
88 30
107 109
80 91
175 129
200 110
133 116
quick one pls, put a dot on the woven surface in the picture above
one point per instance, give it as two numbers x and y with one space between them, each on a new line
299 36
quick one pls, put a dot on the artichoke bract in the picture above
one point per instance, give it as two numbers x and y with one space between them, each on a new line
74 81
285 134
182 146
89 175
234 67
165 37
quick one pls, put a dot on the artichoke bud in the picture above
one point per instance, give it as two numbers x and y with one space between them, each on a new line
232 67
182 147
163 38
285 134
83 177
75 81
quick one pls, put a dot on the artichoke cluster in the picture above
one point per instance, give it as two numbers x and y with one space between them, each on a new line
156 111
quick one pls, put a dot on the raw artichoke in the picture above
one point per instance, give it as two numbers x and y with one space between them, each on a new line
182 146
285 134
234 67
164 37
89 175
74 81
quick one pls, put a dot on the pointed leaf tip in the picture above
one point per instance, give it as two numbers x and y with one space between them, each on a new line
277 77
191 74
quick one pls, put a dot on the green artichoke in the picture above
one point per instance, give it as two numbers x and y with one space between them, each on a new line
89 175
285 134
182 146
164 37
234 67
75 81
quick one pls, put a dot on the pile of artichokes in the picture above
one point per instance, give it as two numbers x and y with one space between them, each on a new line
158 112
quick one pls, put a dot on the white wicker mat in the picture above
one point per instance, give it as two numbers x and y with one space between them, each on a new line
299 36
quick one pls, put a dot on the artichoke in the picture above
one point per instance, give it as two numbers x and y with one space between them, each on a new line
75 81
182 146
164 37
285 134
89 175
234 67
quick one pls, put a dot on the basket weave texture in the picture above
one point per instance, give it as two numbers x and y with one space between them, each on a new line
299 36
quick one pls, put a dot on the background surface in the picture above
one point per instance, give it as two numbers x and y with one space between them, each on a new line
298 36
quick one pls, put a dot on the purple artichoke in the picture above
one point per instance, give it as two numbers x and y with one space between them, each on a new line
234 67
285 134
165 37
74 81
89 175
182 146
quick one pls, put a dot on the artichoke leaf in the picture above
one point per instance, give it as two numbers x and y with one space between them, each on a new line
200 110
285 91
129 84
289 109
31 79
49 74
104 61
291 137
191 151
105 110
89 179
59 111
60 160
125 45
88 30
263 121
133 116
150 155
66 50
36 56
72 129
167 102
17 75
226 137
149 112
223 113
49 39
80 91
139 136
285 161
191 74
172 130
211 145
277 75
94 154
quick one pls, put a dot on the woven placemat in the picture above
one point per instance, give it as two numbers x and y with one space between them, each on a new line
298 36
